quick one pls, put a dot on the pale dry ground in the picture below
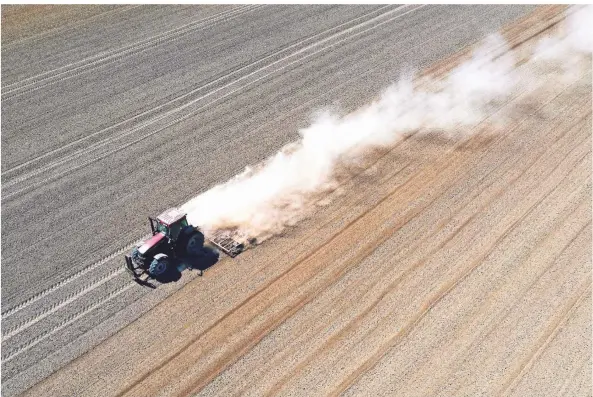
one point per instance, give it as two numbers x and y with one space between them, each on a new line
449 267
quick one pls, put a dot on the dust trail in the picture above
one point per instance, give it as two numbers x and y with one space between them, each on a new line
265 199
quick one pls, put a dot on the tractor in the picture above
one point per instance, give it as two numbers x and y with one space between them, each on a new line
173 240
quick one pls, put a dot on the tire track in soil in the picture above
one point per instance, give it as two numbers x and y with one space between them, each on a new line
264 298
303 263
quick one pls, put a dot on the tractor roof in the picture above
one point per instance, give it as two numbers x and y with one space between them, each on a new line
171 216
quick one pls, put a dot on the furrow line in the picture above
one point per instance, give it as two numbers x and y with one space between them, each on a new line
85 65
190 113
253 296
69 320
268 285
494 195
545 340
308 43
60 304
67 280
433 300
420 241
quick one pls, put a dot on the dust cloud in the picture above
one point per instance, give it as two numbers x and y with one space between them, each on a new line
265 199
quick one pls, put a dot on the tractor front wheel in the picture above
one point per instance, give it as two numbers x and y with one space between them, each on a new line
158 266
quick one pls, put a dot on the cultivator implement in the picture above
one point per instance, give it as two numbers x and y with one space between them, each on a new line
226 242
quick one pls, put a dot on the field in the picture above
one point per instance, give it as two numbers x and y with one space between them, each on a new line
445 266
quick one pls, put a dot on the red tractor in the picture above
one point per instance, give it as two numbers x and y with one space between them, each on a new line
173 240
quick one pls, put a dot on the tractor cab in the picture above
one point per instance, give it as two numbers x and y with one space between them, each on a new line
170 223
173 240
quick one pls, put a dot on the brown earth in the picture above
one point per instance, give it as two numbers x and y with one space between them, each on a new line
450 267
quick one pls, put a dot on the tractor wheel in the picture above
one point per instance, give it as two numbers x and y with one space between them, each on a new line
158 266
136 257
195 244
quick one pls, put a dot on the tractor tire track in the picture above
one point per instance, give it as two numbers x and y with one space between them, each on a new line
84 271
9 312
86 65
300 263
14 330
314 326
418 242
121 146
376 357
32 326
292 49
69 320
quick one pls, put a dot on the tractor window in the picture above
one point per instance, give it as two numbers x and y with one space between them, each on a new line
173 230
162 228
176 228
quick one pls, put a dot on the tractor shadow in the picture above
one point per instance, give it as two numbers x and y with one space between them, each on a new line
207 258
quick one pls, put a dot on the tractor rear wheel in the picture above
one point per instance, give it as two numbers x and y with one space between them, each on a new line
158 266
195 244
